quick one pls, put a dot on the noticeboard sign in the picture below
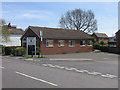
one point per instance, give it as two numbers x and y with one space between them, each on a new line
31 40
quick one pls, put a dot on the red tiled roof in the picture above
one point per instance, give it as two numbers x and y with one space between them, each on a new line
101 35
15 31
59 33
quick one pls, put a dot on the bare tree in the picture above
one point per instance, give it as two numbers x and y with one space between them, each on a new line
79 20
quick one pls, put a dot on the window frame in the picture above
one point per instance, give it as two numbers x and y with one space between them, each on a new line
47 41
84 44
70 44
90 42
59 41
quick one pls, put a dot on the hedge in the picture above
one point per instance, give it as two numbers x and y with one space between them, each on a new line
106 48
13 50
20 51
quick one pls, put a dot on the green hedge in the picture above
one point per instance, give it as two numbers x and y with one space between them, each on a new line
20 51
106 48
13 50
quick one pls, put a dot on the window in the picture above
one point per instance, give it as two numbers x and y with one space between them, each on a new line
49 43
101 38
61 43
71 43
89 43
82 43
31 41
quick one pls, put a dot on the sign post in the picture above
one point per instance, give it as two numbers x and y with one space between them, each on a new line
41 35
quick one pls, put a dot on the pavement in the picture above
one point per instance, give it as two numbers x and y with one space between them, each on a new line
100 71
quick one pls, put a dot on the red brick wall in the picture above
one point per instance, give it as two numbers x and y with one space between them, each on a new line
66 48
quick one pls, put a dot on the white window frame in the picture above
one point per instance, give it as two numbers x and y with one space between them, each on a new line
90 43
59 41
71 45
83 44
48 43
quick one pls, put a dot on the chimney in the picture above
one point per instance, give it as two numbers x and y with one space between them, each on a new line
9 25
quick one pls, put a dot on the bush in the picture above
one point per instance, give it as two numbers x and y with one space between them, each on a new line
102 43
37 50
20 51
7 51
12 53
3 50
29 56
96 46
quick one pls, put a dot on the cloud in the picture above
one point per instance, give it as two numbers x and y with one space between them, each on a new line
27 15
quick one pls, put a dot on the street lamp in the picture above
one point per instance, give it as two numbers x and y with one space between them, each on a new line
41 35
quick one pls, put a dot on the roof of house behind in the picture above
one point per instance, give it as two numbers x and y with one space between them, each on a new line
101 35
59 33
14 30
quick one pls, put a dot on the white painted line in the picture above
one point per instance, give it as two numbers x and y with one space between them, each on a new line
81 71
51 66
61 67
45 65
68 69
94 73
36 79
109 76
85 71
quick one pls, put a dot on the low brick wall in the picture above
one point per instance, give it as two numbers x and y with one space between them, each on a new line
114 50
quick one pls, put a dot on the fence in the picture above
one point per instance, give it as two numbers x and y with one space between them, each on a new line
108 49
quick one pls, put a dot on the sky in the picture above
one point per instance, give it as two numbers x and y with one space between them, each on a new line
47 14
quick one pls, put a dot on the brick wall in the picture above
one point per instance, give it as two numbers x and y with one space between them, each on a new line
66 48
105 41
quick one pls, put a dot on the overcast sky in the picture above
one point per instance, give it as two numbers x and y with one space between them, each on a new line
47 14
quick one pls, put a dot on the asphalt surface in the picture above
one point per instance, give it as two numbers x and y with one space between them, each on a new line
20 73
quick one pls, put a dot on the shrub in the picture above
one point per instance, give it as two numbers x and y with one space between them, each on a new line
29 56
102 42
7 51
12 50
20 51
37 50
96 46
3 50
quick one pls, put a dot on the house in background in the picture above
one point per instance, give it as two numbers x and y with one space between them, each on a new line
118 39
100 37
112 41
14 37
56 40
